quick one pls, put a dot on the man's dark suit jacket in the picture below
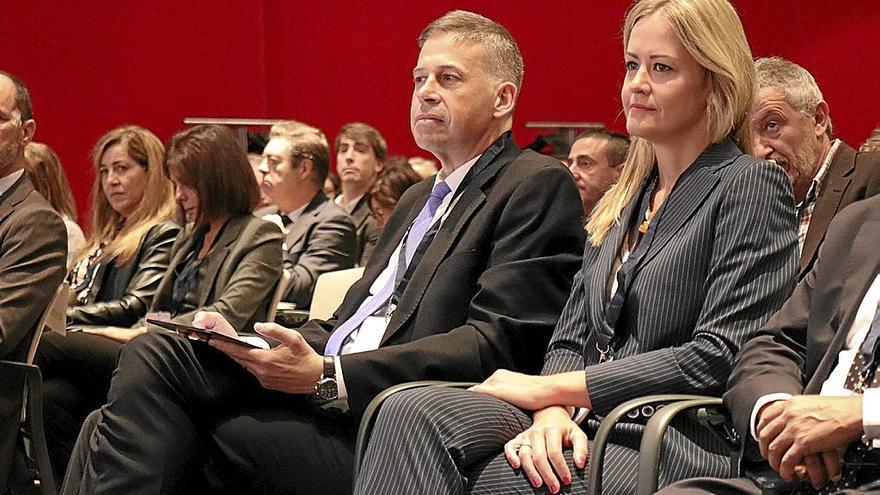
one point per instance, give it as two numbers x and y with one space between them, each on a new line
321 240
851 177
242 272
489 289
367 231
797 349
33 260
121 295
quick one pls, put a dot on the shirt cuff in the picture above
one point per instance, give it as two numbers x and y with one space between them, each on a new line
753 422
340 383
871 415
579 415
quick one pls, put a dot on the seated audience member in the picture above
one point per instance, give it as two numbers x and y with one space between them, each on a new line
872 144
226 261
689 254
395 179
129 248
48 177
485 292
805 392
423 166
791 125
595 159
319 236
113 281
360 152
33 251
331 185
256 143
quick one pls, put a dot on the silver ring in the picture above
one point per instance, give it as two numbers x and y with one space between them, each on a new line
518 446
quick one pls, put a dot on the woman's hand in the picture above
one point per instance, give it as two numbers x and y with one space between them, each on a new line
538 450
118 334
523 391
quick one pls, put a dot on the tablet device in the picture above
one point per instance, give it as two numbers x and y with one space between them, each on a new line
203 333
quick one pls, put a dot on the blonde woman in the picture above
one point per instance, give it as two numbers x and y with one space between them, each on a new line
688 255
113 281
49 179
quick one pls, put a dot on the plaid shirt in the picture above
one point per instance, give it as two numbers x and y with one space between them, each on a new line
805 207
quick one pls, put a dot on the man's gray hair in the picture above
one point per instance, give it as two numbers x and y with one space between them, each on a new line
504 58
798 85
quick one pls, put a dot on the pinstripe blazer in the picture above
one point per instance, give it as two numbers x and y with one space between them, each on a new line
723 259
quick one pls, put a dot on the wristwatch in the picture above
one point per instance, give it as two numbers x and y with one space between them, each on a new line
325 388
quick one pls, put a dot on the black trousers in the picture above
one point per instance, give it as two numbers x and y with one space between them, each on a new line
76 371
179 410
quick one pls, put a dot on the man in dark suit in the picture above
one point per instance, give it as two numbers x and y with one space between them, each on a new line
791 125
469 275
360 153
790 395
33 253
319 236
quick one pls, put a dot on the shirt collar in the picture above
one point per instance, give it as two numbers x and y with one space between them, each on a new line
348 207
9 180
295 214
816 184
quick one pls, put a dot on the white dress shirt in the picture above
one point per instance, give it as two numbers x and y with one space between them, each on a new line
348 207
834 385
369 335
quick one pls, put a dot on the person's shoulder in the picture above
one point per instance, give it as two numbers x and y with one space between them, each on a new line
246 227
330 211
857 213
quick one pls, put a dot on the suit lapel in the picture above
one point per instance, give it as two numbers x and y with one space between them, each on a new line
221 250
688 194
459 217
862 267
298 230
15 195
828 203
397 227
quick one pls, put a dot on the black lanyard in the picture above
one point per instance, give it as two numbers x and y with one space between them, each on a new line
625 272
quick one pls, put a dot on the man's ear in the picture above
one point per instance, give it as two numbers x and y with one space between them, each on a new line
505 99
28 127
308 166
820 115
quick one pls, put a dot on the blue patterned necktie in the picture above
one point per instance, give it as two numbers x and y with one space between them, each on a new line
411 242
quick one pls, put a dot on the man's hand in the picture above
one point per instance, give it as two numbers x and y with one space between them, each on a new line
538 450
791 431
523 391
292 367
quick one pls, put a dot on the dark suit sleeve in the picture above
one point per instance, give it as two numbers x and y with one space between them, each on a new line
531 258
33 258
152 263
330 247
750 274
257 268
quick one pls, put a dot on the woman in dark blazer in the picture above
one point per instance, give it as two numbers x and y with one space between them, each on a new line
688 255
226 260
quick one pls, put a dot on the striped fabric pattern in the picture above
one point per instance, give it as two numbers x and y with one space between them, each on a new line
723 260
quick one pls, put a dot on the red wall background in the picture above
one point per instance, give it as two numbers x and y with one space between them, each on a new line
94 65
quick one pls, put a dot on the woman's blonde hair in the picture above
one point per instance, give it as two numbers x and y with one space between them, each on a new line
157 204
49 179
712 33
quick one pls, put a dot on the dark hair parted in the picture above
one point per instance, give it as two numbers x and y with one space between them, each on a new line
210 160
363 133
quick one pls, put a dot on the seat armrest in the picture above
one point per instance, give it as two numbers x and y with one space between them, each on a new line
652 439
600 441
368 420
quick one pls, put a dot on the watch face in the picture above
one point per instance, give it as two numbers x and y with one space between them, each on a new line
326 389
